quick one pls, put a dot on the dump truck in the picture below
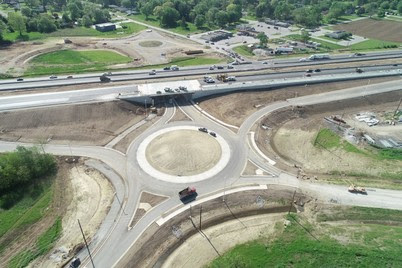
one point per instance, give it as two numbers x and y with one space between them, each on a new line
104 78
187 195
222 77
356 190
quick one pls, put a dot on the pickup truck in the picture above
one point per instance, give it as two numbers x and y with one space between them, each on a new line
187 195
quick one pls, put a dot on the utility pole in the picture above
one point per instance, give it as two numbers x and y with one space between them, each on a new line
145 108
200 217
291 203
89 252
397 108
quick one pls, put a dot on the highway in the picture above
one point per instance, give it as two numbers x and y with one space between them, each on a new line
115 238
118 76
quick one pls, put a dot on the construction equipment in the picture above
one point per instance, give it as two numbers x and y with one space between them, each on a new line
222 77
187 195
356 190
104 78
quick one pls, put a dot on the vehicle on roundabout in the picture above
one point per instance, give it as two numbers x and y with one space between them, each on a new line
203 129
188 195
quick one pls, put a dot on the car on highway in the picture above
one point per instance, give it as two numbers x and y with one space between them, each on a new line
395 64
357 54
303 59
231 78
358 70
166 68
153 72
20 79
211 68
308 75
53 77
69 77
317 70
158 92
210 80
213 134
220 67
230 67
309 71
265 62
203 129
174 68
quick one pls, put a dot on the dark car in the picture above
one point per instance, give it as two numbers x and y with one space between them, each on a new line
20 79
317 70
203 129
308 75
394 64
309 71
213 134
167 68
220 67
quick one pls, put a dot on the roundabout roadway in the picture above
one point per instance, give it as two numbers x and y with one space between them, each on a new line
115 237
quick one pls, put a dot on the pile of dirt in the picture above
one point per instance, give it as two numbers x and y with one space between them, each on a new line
94 123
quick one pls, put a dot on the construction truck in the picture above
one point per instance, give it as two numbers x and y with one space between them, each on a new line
319 57
187 195
356 190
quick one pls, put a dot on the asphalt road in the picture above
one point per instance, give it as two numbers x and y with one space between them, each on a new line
39 82
115 238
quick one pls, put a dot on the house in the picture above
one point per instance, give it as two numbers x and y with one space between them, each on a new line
105 27
338 34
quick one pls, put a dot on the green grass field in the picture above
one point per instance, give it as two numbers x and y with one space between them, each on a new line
44 243
368 245
71 61
327 139
373 44
131 28
243 50
153 21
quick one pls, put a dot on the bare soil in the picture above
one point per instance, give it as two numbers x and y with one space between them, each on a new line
158 242
290 140
235 108
93 124
376 29
179 116
252 170
176 153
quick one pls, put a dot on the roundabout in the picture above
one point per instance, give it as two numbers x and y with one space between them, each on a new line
182 154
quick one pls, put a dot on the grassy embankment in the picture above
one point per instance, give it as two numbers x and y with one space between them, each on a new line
130 28
243 50
69 61
342 237
328 140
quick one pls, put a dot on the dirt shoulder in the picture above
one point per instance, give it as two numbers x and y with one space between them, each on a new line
89 124
235 108
158 242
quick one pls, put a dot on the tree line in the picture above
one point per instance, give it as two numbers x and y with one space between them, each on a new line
309 13
46 16
23 169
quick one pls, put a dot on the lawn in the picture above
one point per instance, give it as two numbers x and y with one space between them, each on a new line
324 44
368 245
373 44
130 28
243 50
70 61
153 21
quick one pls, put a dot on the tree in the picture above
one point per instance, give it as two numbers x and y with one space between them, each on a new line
400 8
147 9
3 28
168 16
385 5
381 13
26 11
75 11
221 18
234 12
46 24
305 36
86 21
199 21
17 22
126 4
263 39
32 3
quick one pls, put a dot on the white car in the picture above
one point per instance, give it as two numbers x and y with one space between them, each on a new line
153 72
303 59
149 30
